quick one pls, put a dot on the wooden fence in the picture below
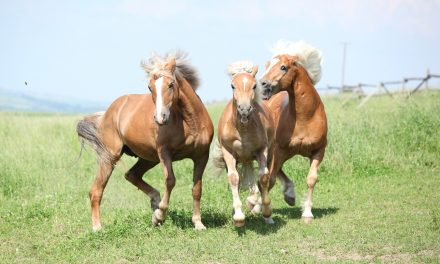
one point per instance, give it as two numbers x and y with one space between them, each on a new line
381 88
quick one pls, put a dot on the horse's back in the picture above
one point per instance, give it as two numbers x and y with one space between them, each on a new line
129 111
127 127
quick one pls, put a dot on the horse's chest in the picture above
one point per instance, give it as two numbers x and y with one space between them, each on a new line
189 145
245 150
304 144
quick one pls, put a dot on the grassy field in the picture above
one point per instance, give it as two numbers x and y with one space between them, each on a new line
377 200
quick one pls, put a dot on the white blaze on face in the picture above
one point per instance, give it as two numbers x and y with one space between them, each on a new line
159 101
272 63
245 80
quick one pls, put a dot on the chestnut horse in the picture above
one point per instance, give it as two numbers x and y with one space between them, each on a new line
245 134
167 125
300 119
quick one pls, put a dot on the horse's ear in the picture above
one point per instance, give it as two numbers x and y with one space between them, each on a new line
171 65
294 60
254 70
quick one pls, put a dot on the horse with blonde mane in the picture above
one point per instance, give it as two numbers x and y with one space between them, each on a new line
167 125
300 119
245 134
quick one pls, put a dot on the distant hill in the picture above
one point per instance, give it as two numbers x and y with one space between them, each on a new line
21 102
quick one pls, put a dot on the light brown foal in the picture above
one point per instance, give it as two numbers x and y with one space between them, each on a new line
245 134
167 125
300 119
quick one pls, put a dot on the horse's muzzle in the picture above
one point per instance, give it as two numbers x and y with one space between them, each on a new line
161 120
267 89
244 112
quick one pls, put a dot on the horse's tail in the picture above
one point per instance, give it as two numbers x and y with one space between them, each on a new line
217 156
247 179
87 130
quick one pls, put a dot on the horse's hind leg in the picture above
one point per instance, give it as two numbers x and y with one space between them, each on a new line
288 188
104 171
134 175
312 178
199 167
233 178
253 201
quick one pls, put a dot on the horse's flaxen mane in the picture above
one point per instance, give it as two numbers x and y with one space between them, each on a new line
245 67
239 67
184 70
309 57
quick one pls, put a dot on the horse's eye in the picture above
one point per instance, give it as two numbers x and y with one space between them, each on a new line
283 68
171 85
255 87
233 87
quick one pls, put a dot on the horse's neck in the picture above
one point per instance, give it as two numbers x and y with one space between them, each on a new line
304 99
190 105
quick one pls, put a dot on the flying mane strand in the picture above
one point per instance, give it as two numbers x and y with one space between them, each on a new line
309 57
184 70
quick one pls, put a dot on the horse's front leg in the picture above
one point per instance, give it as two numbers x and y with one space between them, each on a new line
199 167
160 213
312 178
264 183
234 180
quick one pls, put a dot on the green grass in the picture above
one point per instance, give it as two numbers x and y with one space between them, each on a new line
377 199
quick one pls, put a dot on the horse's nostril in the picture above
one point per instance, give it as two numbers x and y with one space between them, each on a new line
264 83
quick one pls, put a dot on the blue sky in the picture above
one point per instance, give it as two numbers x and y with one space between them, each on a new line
91 50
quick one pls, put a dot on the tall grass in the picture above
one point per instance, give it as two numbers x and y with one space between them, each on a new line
376 200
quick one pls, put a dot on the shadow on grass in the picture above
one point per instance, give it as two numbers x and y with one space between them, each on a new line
183 218
295 212
216 219
255 223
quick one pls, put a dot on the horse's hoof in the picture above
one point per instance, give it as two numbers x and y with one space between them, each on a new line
96 228
269 220
289 200
156 219
250 204
199 226
239 223
256 210
238 219
306 219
